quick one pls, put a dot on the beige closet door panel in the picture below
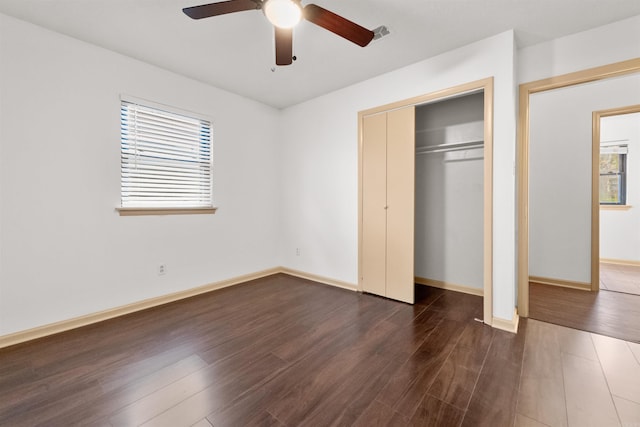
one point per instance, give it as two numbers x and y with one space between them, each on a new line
400 203
374 185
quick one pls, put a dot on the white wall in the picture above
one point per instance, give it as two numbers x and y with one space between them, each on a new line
65 252
449 192
559 221
560 174
320 162
611 43
620 229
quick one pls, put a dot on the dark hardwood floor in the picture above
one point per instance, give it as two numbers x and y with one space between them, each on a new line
620 278
608 313
276 351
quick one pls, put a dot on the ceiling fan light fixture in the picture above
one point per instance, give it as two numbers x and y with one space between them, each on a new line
283 13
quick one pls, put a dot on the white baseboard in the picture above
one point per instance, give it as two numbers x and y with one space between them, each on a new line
583 286
77 322
449 286
629 262
507 325
319 279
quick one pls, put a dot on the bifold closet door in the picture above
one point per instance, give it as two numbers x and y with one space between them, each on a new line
388 182
374 202
401 161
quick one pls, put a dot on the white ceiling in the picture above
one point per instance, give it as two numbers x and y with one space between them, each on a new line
235 52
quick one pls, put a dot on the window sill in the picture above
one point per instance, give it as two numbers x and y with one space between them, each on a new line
615 207
165 211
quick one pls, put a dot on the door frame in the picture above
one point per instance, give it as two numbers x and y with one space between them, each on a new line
485 85
595 183
526 90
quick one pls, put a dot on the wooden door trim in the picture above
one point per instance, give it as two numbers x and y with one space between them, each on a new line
526 90
485 85
595 187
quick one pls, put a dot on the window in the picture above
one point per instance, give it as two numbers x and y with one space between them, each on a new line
613 174
165 159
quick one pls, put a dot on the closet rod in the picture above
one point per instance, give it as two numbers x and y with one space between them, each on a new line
440 148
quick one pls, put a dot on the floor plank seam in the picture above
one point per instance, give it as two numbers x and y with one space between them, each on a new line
267 379
564 389
524 344
433 302
429 394
453 348
484 361
636 356
606 379
274 417
168 384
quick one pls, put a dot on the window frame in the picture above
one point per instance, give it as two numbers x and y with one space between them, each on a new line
166 210
622 173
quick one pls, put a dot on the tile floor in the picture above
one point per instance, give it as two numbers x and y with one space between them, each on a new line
577 378
620 278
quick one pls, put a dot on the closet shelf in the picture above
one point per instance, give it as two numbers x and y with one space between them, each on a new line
454 146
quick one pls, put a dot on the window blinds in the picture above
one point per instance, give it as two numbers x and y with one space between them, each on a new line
165 159
613 148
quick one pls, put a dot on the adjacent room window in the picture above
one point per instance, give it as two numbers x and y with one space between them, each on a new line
166 158
613 174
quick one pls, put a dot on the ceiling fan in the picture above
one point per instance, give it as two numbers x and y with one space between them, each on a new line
284 15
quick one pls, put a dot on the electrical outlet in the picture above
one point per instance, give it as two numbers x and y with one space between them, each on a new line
297 251
162 269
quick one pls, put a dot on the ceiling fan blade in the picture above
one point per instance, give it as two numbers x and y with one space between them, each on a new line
220 8
337 25
284 46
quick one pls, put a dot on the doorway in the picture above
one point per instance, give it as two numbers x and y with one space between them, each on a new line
617 139
615 314
589 271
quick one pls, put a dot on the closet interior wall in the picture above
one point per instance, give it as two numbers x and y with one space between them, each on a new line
449 193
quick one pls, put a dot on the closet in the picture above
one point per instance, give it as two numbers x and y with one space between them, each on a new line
423 203
449 193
